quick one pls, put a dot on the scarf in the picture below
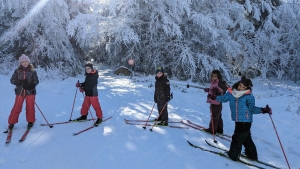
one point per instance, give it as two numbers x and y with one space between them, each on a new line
237 94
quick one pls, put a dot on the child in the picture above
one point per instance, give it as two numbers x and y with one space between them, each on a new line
25 78
89 86
218 87
162 95
242 106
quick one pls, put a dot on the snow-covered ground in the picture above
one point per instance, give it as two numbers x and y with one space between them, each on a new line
116 145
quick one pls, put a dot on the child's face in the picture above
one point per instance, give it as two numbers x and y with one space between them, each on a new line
242 87
88 69
24 63
214 77
159 74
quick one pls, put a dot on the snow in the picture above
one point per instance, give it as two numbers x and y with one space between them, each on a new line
114 144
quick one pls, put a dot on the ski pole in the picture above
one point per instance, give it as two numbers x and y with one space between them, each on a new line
278 137
149 116
43 115
74 102
41 112
212 123
158 116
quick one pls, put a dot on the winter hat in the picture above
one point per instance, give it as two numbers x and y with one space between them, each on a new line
23 57
89 65
159 69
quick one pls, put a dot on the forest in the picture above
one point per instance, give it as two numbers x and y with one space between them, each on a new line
189 38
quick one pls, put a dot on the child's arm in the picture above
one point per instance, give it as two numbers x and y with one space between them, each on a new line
223 98
251 105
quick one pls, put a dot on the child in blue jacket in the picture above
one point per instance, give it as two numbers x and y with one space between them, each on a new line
242 106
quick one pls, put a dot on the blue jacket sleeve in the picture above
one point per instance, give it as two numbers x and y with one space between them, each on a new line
224 98
251 105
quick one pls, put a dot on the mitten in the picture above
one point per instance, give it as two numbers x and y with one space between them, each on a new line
18 82
266 109
187 86
78 84
28 86
81 89
211 96
206 90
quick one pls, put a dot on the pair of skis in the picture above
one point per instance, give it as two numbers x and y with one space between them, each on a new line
9 135
243 158
146 123
202 128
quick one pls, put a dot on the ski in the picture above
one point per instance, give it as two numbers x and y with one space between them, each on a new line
25 134
9 134
221 154
132 121
66 122
199 126
224 148
74 134
143 124
201 129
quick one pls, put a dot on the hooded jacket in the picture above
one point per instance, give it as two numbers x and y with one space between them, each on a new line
21 74
90 83
242 108
162 89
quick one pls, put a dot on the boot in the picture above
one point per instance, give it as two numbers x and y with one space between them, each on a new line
83 117
30 124
163 123
99 120
11 126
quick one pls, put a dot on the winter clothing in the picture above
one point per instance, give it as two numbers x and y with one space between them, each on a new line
242 136
25 79
98 121
89 86
242 106
89 65
159 69
23 57
216 88
266 109
162 95
83 117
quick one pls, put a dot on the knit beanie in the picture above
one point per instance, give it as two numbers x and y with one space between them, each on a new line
89 65
159 69
23 57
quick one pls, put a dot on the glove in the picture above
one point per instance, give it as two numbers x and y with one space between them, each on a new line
18 82
81 89
266 109
206 90
211 96
28 86
155 100
187 86
78 84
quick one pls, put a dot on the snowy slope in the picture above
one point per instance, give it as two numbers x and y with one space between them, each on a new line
116 145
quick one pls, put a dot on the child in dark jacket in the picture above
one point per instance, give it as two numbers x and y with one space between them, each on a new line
162 95
25 78
217 87
89 86
242 106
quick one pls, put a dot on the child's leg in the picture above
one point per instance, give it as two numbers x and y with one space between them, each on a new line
30 111
85 106
241 133
96 106
216 117
16 110
250 148
164 112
